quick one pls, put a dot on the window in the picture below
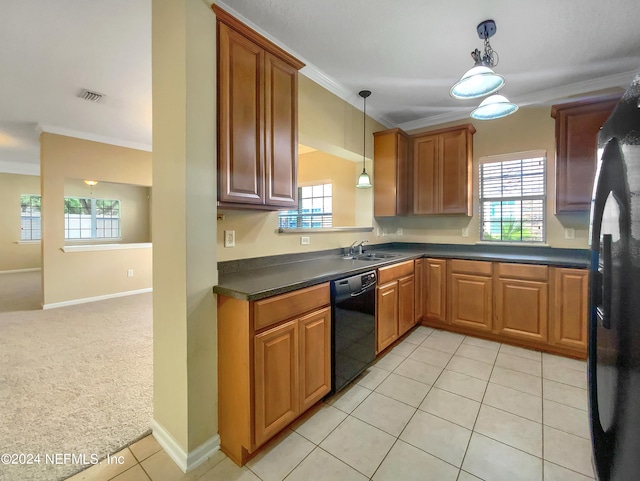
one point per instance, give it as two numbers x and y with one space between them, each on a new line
314 209
91 218
512 197
30 218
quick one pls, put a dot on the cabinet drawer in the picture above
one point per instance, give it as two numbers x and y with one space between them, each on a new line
272 310
523 271
389 273
480 268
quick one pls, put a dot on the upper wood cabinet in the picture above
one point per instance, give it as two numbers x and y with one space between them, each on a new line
257 119
577 127
442 171
428 173
390 166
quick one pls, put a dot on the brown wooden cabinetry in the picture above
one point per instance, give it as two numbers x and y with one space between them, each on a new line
470 285
577 127
257 119
441 174
390 165
419 277
522 301
570 306
274 363
395 296
426 173
435 290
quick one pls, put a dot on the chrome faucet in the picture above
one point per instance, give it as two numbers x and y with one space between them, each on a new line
359 246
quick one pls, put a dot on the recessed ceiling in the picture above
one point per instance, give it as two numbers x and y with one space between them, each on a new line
407 53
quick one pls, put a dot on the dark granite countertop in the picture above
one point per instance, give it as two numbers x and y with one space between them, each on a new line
253 279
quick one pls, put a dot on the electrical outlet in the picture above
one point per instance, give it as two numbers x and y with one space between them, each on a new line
378 231
229 238
399 231
305 240
465 232
129 272
569 233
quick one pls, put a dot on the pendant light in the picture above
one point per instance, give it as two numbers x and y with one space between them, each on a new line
480 80
494 107
364 182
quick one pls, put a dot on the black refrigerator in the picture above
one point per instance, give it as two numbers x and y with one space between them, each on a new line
614 283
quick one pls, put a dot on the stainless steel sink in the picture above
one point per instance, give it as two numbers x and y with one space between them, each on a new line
371 256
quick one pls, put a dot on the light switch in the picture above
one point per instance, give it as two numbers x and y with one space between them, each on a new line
305 240
465 232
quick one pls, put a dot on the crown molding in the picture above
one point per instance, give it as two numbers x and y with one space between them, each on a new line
312 72
21 168
54 129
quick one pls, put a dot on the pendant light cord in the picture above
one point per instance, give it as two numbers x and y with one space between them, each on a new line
364 137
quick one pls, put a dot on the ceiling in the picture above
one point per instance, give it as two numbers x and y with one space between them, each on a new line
407 53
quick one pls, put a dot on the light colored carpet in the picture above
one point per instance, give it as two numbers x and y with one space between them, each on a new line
74 380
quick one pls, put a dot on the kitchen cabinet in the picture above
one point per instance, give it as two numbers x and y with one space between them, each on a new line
394 303
442 170
522 301
535 306
390 166
419 276
471 287
577 128
570 308
435 290
274 363
257 119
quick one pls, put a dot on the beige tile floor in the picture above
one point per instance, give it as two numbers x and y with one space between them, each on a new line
437 407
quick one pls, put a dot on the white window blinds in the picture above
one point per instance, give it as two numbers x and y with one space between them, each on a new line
512 197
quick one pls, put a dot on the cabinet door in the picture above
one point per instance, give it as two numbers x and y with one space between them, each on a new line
570 308
406 295
418 293
390 161
240 119
425 173
521 309
386 315
275 379
315 357
471 301
577 128
281 132
435 289
454 172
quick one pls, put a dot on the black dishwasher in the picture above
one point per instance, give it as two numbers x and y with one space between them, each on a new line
353 308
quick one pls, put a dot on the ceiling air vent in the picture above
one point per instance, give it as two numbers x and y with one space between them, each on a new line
90 95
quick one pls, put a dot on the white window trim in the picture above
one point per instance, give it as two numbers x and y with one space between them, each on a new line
106 247
525 154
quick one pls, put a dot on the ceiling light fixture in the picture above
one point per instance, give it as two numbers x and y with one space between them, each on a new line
494 107
480 80
364 182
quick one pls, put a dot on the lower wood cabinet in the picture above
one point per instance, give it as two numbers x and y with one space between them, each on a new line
570 308
419 277
435 290
536 306
471 288
395 297
274 363
522 301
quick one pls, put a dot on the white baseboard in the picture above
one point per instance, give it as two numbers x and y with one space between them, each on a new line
14 271
185 461
84 300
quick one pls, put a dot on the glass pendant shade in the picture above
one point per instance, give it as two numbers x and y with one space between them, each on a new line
477 82
494 107
364 182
